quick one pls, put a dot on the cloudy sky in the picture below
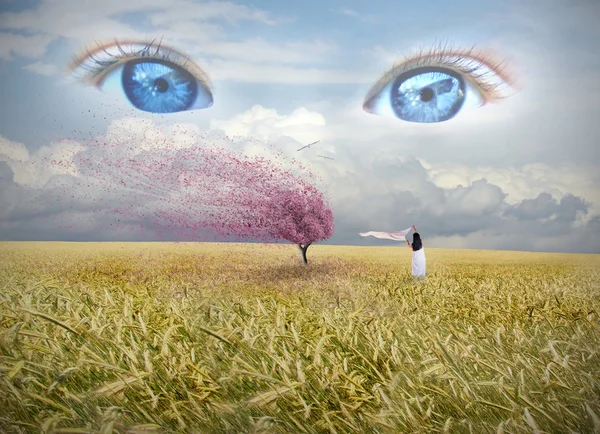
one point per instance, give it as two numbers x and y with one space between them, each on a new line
521 173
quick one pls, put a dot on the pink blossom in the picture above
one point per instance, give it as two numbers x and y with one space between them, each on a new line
196 192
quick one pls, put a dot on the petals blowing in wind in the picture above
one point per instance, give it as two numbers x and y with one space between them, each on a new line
198 192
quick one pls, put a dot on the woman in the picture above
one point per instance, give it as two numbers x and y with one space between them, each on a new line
418 256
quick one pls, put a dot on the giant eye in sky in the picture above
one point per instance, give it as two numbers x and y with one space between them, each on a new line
436 86
152 77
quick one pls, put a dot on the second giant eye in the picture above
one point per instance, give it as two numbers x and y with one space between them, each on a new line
425 95
436 86
428 95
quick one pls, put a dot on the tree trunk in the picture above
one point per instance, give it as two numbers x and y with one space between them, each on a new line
303 250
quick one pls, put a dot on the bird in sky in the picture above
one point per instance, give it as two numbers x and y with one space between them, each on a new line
309 145
322 156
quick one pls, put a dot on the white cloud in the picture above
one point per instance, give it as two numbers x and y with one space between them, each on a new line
72 20
182 10
385 187
258 51
349 12
134 135
67 17
266 124
367 18
42 68
262 132
12 45
516 182
84 21
273 73
13 151
34 170
457 205
478 198
524 182
188 26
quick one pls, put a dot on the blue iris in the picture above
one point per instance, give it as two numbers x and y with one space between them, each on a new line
159 87
427 95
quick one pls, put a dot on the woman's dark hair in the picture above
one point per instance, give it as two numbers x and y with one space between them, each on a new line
417 244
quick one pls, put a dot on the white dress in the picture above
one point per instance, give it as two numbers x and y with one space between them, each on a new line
418 263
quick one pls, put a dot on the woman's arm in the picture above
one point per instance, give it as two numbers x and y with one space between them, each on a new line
414 228
408 244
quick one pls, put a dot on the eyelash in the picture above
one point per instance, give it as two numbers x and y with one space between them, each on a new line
152 50
468 61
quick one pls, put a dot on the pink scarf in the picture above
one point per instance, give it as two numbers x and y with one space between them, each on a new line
396 236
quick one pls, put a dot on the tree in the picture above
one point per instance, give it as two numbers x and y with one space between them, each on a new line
301 217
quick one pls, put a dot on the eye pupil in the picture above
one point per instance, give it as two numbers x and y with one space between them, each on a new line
426 94
161 85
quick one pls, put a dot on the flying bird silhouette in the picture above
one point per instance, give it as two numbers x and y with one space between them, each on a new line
309 145
322 156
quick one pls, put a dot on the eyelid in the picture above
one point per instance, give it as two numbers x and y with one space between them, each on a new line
103 61
483 69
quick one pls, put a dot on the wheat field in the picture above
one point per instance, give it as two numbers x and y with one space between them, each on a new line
242 338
